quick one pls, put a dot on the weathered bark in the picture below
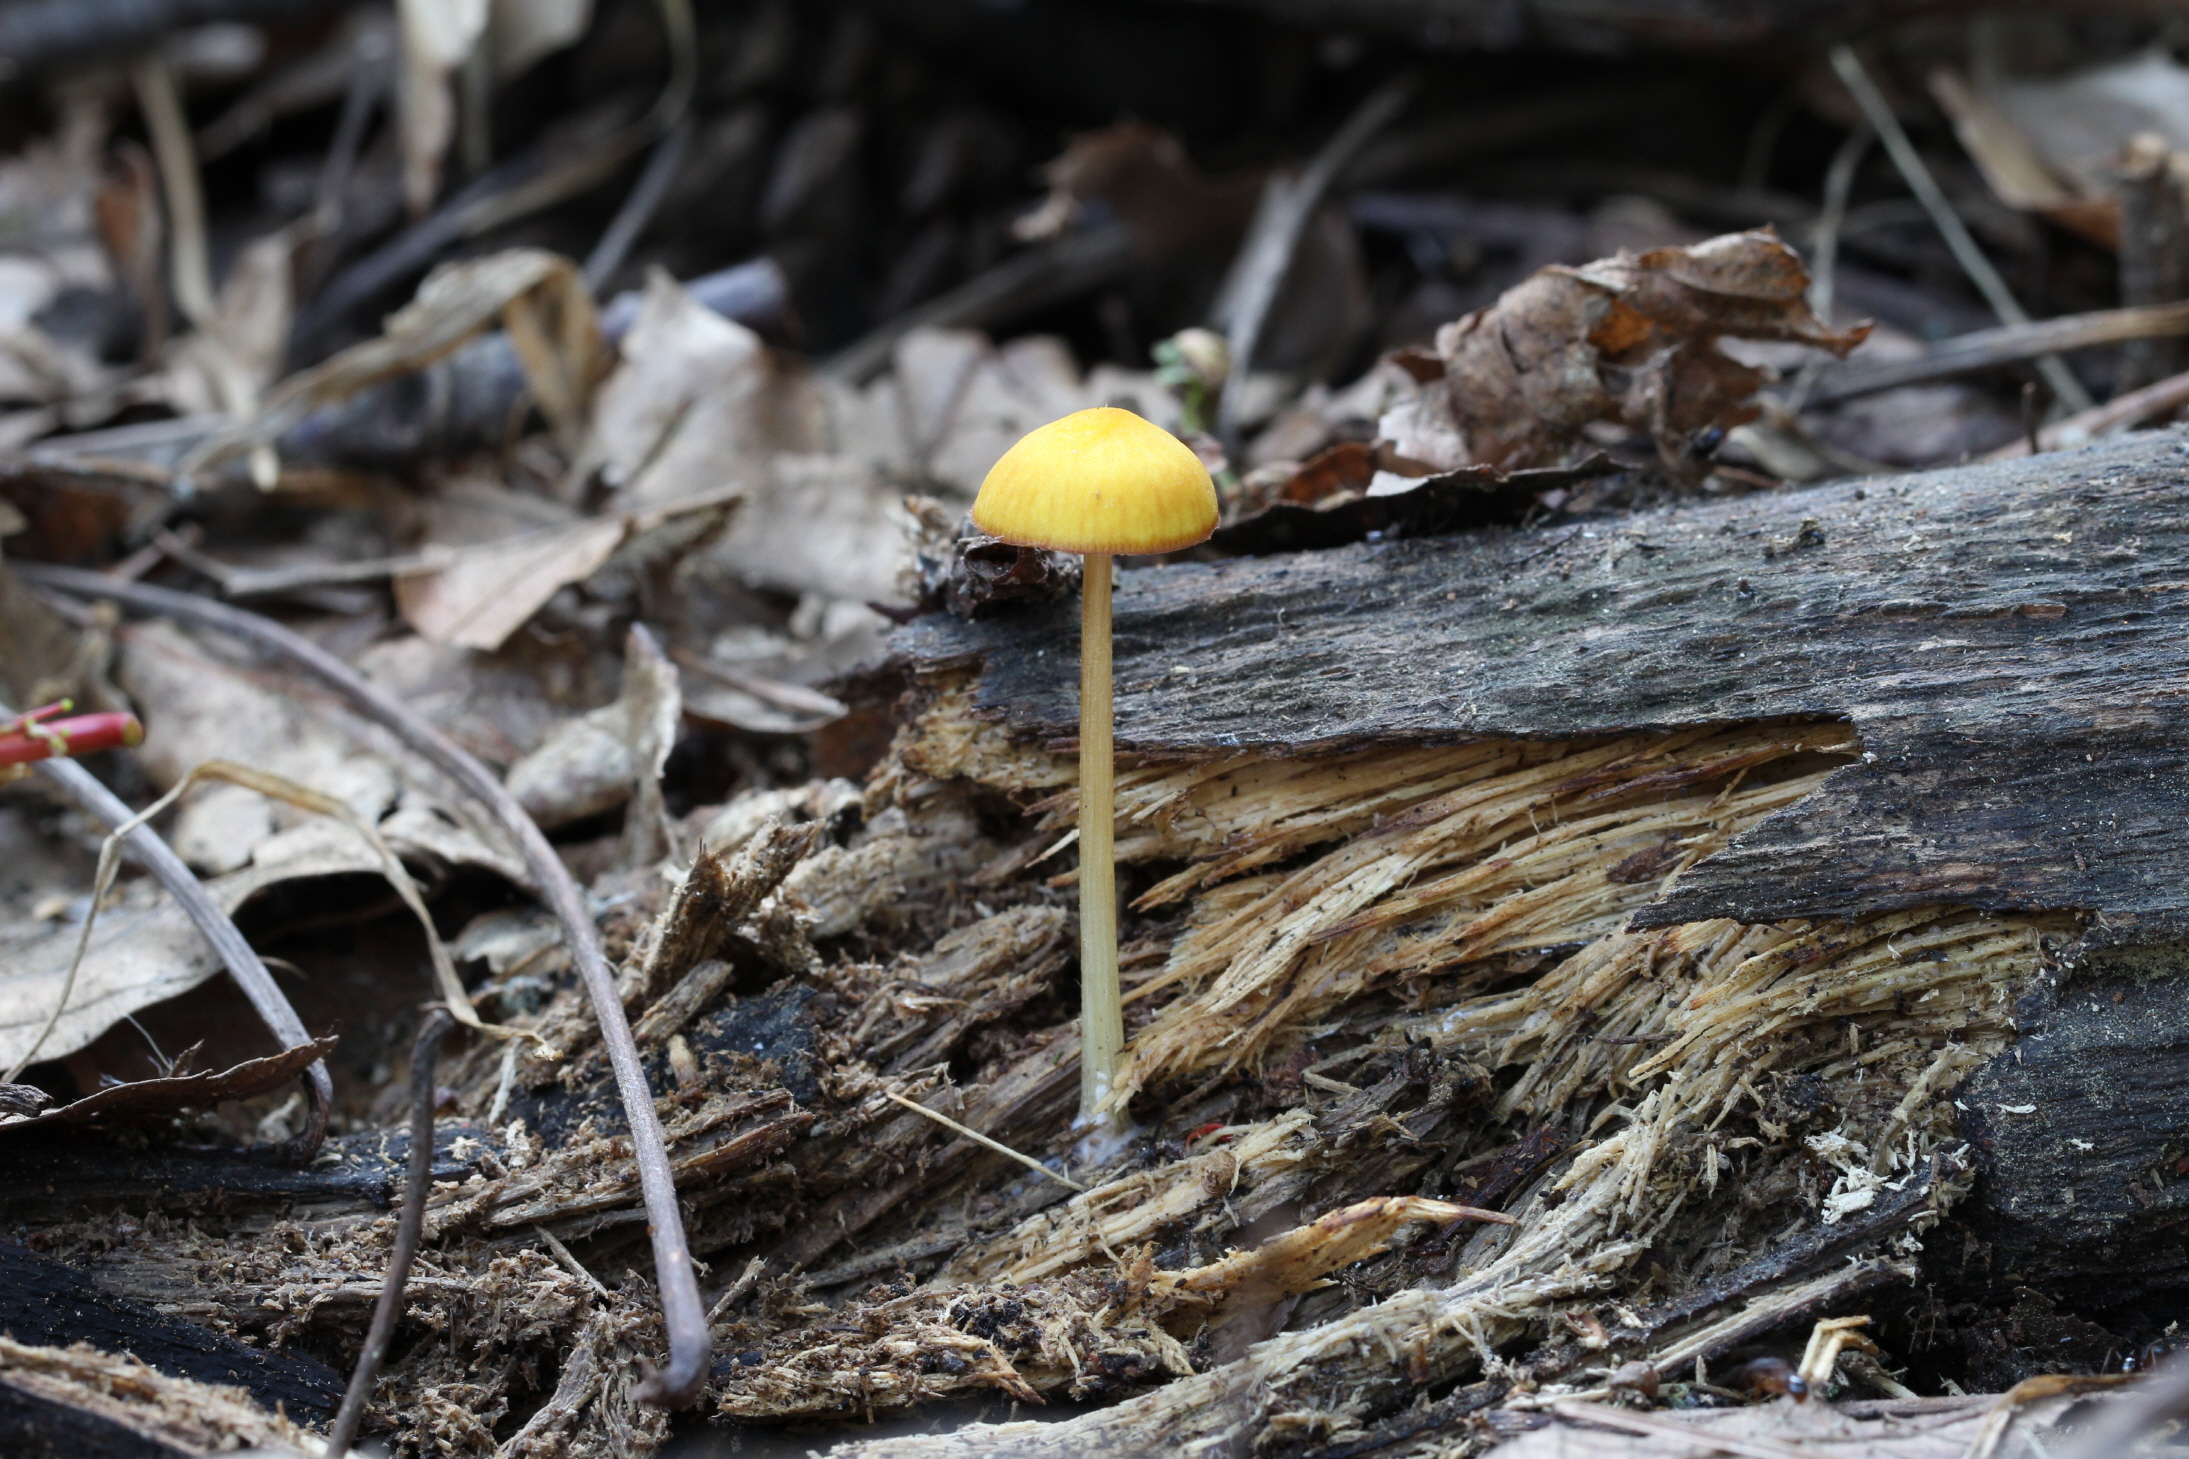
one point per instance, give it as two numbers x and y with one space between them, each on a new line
2081 1137
2003 637
60 1179
35 1427
52 1305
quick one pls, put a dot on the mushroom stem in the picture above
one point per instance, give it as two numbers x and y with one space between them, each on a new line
1102 1017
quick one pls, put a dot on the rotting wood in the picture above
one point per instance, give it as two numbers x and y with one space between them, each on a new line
60 1177
1708 1076
100 1401
2002 638
47 1304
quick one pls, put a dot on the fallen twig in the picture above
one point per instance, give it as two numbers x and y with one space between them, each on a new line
1266 253
417 1184
1839 180
2117 414
736 1290
1988 349
1948 223
682 1316
242 962
974 1135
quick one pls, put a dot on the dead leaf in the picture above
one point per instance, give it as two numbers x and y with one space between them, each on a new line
2050 145
455 302
438 36
520 32
201 706
226 366
489 590
1143 175
1627 339
695 408
144 951
155 1099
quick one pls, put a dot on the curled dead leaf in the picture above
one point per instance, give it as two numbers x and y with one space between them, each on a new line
1627 339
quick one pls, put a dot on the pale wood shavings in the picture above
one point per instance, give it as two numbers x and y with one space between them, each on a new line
1134 1208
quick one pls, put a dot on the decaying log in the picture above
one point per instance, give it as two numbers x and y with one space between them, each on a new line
2081 1135
58 1178
50 1305
2006 640
1997 647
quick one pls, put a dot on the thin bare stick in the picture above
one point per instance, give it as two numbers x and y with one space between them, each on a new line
1839 181
736 1290
2117 414
639 206
570 1263
191 271
418 1184
243 964
1274 235
2065 386
1988 349
978 1138
682 1315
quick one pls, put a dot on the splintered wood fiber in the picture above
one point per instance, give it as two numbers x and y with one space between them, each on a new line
1713 1075
1379 968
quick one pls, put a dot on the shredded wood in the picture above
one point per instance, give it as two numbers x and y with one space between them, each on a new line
196 1418
1384 978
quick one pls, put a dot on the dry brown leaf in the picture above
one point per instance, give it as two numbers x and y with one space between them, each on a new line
1627 339
455 302
143 952
488 591
2052 146
696 407
200 705
153 1099
1142 174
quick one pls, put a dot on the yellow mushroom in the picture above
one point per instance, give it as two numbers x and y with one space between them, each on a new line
1098 482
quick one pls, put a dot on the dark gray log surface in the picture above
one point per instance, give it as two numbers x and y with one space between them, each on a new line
2011 641
68 1175
2081 1134
51 1305
34 1427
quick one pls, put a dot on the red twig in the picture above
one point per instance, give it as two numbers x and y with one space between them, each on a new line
35 736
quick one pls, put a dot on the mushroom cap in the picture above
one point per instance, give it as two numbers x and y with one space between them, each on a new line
1100 480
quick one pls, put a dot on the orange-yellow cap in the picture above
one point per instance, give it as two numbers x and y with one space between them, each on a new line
1100 480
